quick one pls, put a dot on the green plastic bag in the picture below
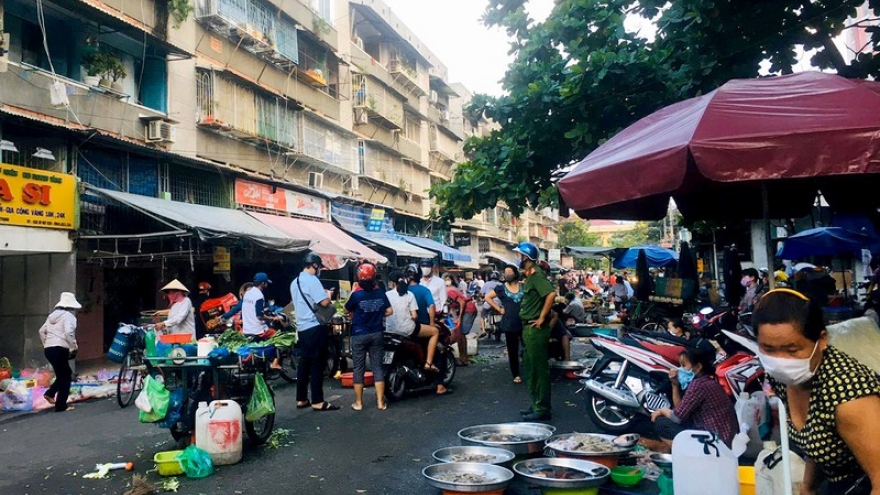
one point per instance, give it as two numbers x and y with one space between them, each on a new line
159 399
261 403
196 463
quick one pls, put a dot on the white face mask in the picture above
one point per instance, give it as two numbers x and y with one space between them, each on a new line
789 371
426 271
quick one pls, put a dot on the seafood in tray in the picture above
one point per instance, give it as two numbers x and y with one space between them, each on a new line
471 453
562 473
467 477
464 478
588 443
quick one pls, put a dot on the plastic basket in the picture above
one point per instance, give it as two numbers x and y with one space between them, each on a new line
348 379
168 464
177 338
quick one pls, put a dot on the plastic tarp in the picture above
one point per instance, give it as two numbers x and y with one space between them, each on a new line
209 222
504 259
355 221
656 256
714 153
335 247
823 241
590 252
447 253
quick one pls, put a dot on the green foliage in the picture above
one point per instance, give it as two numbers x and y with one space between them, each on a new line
180 11
105 64
642 233
577 233
580 77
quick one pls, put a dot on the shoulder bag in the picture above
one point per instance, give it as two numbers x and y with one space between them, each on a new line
324 314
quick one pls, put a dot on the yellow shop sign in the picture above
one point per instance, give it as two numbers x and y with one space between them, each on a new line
31 197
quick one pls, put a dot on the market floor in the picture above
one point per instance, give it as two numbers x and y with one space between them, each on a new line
338 452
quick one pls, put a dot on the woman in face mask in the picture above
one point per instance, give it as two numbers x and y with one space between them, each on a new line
833 400
750 283
700 402
510 296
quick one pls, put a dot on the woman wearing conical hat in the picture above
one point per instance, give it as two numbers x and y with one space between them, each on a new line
180 314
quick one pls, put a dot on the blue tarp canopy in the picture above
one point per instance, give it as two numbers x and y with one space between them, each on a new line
446 253
823 241
657 257
361 223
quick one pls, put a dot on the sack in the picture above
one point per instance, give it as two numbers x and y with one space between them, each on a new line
196 463
5 368
261 403
324 314
159 399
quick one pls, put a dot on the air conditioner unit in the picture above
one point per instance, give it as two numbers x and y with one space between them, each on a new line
434 97
159 131
316 180
445 116
361 118
353 185
358 42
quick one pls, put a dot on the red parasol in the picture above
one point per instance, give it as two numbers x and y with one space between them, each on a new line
781 138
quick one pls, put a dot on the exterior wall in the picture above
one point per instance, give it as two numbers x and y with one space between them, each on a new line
31 285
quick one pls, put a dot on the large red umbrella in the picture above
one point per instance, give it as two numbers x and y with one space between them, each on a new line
781 138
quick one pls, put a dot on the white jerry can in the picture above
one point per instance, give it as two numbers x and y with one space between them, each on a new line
219 427
702 464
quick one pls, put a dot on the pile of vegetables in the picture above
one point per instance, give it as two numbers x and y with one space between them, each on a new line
232 340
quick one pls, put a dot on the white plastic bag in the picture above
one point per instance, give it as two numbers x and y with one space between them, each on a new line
858 337
143 402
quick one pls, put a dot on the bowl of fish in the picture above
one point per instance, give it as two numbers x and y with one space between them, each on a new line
467 477
519 438
554 472
474 453
593 447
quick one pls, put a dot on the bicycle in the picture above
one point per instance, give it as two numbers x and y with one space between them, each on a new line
133 369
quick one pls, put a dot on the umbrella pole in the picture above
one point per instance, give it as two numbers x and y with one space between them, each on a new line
771 254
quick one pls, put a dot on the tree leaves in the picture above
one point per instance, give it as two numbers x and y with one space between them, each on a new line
580 77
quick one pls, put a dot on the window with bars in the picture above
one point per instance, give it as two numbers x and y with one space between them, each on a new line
483 245
327 145
412 128
203 187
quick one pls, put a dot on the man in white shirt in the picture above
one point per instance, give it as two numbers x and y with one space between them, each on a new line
434 283
180 313
253 321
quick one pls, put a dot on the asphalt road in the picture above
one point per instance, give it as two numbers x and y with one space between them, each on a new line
334 452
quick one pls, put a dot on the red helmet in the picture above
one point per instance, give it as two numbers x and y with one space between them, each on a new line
204 286
366 271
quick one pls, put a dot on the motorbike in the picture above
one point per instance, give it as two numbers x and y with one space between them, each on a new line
640 384
404 360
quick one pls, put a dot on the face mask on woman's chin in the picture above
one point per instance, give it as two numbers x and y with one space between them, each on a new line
789 371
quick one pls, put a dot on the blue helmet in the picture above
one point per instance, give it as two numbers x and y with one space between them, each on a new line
528 250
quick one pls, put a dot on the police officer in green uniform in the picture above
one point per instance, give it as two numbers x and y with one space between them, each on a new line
538 297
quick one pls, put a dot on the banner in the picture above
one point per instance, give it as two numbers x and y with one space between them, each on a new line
554 255
222 260
377 220
461 240
32 197
273 198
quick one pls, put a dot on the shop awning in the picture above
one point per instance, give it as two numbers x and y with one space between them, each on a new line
334 246
354 220
447 253
209 222
590 252
506 259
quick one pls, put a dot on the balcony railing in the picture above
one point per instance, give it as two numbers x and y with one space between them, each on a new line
328 147
378 103
406 75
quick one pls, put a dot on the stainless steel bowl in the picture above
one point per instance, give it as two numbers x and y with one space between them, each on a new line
501 477
537 425
567 365
615 449
499 456
534 436
662 461
597 474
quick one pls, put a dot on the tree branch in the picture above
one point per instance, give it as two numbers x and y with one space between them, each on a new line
835 57
863 21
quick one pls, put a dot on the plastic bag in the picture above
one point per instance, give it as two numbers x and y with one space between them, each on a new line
17 398
858 337
159 399
261 403
196 463
174 409
5 368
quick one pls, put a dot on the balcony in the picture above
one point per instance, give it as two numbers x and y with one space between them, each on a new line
372 102
328 148
442 147
407 76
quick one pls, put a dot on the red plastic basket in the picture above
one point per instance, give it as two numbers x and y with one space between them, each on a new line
176 338
348 379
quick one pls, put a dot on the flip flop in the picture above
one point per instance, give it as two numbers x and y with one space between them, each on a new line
431 367
383 407
326 406
303 406
517 380
357 407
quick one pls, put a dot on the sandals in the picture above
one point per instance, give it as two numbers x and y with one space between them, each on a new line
303 406
326 406
49 399
382 407
517 380
431 367
357 407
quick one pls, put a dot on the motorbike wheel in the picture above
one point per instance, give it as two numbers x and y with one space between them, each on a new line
288 367
607 415
260 430
450 369
395 383
651 326
333 358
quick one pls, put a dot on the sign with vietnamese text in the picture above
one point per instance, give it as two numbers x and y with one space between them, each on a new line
272 198
32 197
554 255
377 220
222 260
461 240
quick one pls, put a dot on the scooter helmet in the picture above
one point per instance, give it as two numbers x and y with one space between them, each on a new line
366 272
312 259
494 275
204 286
426 263
412 272
528 250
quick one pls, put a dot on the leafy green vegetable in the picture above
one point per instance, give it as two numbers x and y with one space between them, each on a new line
282 340
278 437
232 340
170 485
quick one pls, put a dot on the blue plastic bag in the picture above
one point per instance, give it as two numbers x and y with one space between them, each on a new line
174 409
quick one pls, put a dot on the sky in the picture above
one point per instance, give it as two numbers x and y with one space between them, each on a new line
475 55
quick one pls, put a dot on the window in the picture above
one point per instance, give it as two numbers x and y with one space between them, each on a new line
490 217
412 128
202 187
483 244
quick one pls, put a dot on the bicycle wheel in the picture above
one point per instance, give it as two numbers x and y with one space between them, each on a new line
131 378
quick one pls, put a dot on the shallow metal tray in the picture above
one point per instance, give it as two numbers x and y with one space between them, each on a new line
501 476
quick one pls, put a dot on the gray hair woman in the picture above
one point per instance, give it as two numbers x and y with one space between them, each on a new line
58 335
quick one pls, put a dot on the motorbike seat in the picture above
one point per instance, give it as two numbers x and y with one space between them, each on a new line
668 352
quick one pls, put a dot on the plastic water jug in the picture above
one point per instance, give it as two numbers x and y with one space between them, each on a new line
702 464
205 346
219 431
768 472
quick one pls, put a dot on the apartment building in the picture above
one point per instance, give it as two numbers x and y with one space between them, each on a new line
327 111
